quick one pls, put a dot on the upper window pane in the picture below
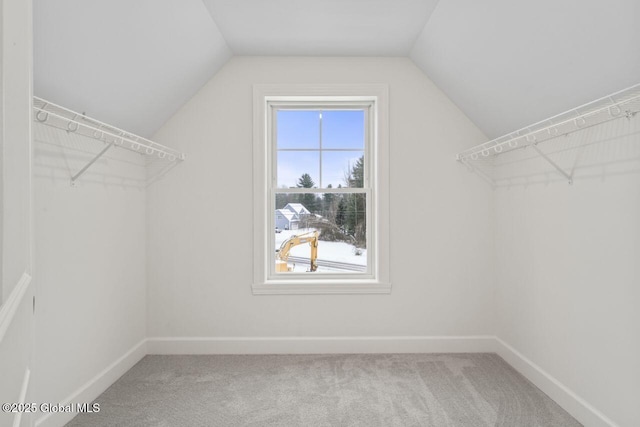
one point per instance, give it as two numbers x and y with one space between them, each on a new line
294 165
298 129
342 169
343 129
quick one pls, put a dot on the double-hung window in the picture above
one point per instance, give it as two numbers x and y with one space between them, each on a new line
320 189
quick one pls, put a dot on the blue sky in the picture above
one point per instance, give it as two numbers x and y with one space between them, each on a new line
301 130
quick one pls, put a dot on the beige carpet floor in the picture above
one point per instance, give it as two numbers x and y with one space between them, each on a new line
470 390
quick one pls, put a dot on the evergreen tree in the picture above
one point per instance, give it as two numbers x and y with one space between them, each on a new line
328 205
307 199
305 181
341 213
351 214
281 200
356 177
356 215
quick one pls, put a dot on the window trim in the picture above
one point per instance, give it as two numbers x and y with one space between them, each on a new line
378 281
367 104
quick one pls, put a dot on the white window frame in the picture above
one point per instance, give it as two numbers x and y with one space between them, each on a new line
266 99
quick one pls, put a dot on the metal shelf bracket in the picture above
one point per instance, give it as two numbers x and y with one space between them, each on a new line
552 163
92 161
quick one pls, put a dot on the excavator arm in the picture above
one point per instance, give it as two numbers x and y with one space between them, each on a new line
285 248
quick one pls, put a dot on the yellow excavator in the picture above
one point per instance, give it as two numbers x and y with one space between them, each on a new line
282 254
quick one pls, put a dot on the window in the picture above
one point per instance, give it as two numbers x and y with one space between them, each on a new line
321 182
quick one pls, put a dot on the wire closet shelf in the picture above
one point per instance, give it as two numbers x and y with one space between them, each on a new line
54 115
621 104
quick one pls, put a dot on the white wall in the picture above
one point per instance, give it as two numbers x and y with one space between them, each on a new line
568 270
1 149
90 252
16 192
16 296
200 269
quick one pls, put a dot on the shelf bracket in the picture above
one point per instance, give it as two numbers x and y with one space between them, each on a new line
81 171
552 163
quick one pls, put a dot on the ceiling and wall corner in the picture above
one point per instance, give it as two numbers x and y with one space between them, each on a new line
321 28
510 64
130 64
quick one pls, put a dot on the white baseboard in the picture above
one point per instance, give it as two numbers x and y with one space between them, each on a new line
321 345
566 398
94 387
561 394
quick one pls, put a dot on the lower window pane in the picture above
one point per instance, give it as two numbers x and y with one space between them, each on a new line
320 233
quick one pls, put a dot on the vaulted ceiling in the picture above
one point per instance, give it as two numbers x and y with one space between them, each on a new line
326 27
505 63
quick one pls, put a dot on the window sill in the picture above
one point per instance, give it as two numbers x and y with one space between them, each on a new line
351 287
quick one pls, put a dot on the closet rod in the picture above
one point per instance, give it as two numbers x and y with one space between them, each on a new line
624 103
54 115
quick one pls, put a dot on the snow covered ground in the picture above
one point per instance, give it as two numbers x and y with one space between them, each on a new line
327 251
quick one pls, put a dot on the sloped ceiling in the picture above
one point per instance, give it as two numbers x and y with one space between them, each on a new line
508 64
130 63
505 63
